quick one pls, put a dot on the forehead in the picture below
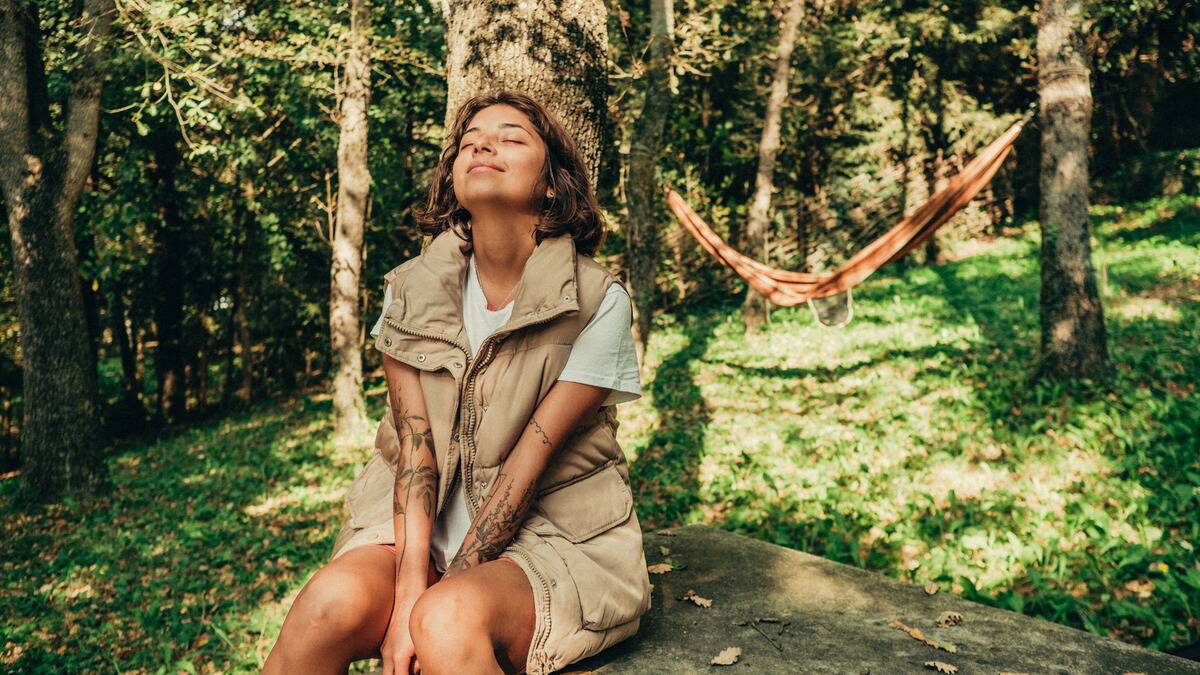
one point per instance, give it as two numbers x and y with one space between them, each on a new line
498 117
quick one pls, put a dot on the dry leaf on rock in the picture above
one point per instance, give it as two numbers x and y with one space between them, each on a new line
941 667
948 619
917 634
665 532
696 598
727 657
659 568
664 551
930 588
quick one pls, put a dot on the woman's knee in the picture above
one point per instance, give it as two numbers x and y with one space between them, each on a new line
335 602
444 618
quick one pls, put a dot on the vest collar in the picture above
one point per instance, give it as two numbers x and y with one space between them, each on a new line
548 286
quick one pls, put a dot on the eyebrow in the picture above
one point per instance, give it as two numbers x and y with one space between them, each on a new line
502 126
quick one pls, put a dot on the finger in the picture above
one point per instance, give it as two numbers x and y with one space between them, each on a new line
387 665
416 666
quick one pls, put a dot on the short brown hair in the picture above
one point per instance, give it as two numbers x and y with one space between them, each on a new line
573 210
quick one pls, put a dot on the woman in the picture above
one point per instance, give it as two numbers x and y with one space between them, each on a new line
493 529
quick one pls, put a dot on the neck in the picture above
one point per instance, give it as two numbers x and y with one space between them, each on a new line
501 248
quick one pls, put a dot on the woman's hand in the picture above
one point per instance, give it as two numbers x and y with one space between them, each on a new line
398 652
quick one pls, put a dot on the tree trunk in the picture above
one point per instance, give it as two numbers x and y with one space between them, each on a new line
642 249
129 413
554 52
42 176
354 182
1074 343
754 308
245 340
169 247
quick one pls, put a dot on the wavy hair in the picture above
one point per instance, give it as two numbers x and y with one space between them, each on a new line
572 210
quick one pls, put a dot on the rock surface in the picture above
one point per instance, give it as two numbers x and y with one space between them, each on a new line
838 621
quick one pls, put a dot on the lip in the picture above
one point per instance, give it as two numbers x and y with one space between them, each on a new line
477 165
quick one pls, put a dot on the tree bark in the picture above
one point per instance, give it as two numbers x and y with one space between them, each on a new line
1074 343
754 308
554 52
242 294
169 242
642 246
42 175
354 182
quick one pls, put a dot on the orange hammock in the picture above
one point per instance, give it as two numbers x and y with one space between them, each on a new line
787 289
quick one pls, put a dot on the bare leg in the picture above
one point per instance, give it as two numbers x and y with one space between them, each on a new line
479 621
339 616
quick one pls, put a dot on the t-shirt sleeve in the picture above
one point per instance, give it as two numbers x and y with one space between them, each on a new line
387 300
603 353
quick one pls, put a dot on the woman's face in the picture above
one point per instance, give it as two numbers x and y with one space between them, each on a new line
499 163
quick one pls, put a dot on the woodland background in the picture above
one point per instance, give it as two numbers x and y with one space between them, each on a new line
915 441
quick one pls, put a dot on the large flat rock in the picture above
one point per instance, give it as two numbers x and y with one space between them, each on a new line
839 618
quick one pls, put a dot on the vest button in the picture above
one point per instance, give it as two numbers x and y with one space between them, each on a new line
387 342
553 582
458 364
566 298
421 358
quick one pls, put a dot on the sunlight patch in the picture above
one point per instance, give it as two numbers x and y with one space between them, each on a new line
300 496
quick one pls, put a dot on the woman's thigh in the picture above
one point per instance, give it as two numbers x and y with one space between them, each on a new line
350 597
495 596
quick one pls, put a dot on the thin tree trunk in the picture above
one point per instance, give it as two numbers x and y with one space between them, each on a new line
245 339
354 182
42 176
754 308
642 251
1074 343
169 248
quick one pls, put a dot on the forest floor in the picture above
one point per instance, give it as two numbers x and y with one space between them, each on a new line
912 442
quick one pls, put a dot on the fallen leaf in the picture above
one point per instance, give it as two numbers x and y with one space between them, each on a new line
930 588
664 551
769 619
697 598
739 622
727 657
948 619
659 568
665 532
1005 672
916 634
941 667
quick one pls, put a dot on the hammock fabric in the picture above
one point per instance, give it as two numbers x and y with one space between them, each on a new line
787 289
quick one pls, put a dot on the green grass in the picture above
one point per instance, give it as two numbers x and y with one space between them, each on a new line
911 442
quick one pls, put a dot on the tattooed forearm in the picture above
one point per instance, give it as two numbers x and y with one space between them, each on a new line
538 428
415 478
494 526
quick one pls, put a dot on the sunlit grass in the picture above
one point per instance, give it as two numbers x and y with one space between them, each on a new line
914 442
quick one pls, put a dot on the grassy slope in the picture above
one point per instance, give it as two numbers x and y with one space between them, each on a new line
910 442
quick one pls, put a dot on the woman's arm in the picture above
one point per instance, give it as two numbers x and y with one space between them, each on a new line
503 511
414 498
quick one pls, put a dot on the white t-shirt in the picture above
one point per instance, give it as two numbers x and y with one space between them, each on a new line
602 355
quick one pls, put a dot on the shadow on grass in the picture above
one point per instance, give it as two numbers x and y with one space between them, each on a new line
664 477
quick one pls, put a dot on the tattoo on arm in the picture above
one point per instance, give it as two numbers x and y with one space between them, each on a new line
414 479
537 427
496 525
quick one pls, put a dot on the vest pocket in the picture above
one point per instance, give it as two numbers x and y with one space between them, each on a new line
589 524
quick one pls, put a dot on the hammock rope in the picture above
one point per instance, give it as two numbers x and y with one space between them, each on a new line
788 288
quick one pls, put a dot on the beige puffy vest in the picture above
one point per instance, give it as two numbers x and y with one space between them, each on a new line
581 543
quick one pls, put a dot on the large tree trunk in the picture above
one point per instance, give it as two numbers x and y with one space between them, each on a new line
642 250
1073 336
554 52
169 249
42 175
354 182
754 308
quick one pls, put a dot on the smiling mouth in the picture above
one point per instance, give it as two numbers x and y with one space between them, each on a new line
481 166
